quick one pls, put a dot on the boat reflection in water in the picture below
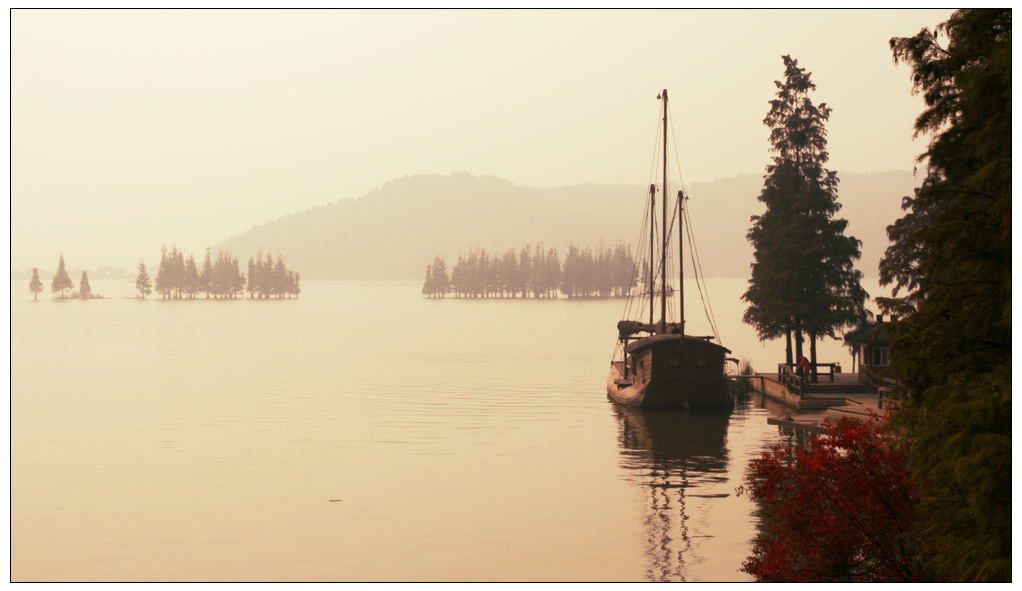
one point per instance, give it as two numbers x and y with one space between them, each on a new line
678 459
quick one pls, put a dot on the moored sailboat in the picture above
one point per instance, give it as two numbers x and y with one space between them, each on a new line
656 364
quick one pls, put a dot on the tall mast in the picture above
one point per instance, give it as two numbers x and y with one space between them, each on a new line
663 231
652 239
681 262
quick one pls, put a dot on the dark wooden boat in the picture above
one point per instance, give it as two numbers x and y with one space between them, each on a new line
656 364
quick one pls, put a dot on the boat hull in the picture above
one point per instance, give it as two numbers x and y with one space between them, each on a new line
672 372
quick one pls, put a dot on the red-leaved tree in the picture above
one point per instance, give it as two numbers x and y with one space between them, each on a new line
839 509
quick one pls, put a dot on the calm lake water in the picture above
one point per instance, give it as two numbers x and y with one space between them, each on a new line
363 433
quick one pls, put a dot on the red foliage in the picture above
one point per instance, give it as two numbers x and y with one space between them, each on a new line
840 508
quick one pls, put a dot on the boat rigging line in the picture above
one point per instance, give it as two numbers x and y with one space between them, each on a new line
648 239
697 266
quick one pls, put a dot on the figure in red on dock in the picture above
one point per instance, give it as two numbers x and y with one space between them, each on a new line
803 367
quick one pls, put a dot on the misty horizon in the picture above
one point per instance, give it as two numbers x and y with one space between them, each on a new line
123 139
433 215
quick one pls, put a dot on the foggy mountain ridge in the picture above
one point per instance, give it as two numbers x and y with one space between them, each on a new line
394 232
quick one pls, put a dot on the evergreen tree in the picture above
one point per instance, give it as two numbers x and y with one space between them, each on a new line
953 255
539 271
36 285
226 280
484 278
191 281
253 273
172 279
163 280
525 271
206 276
266 277
142 282
551 273
179 277
281 282
437 284
509 271
623 270
604 272
61 280
804 284
84 289
570 277
237 281
903 258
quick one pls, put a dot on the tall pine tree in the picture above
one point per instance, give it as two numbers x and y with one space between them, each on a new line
952 255
804 284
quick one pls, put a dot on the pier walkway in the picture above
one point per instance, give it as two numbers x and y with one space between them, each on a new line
807 406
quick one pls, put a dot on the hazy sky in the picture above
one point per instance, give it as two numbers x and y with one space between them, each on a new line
133 129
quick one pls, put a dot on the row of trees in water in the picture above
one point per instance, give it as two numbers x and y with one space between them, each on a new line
535 271
180 278
62 284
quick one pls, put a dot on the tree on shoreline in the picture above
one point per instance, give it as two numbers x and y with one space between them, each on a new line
951 252
804 284
951 353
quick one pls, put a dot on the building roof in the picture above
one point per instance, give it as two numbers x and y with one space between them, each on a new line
875 333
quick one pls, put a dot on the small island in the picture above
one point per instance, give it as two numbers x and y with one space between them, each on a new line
536 272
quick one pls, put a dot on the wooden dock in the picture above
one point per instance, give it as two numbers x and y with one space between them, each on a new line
810 405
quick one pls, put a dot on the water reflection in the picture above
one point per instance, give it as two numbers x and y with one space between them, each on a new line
677 459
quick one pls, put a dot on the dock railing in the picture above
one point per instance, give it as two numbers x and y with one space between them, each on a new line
831 370
787 375
879 381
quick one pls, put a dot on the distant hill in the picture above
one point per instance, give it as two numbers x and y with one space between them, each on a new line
395 231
